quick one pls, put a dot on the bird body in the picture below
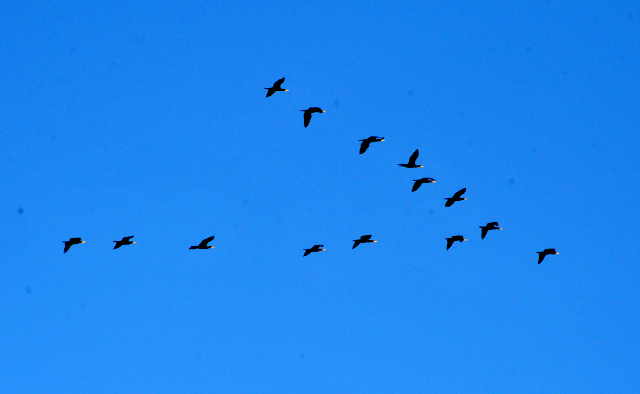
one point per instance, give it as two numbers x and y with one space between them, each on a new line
315 248
203 244
412 161
363 239
456 197
276 87
308 112
489 226
544 253
124 241
365 142
419 182
71 242
453 239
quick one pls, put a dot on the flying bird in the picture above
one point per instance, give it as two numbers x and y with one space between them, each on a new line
315 248
276 87
453 239
412 161
365 143
456 197
125 241
363 240
203 244
308 112
541 255
419 182
489 226
71 242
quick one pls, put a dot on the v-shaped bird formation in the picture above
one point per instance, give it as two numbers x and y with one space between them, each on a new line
365 143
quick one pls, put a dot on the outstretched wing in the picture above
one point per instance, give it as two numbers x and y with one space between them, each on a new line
205 241
270 91
118 244
412 159
365 237
364 146
307 118
356 243
278 83
449 242
449 202
484 231
127 239
67 245
306 252
459 193
416 185
540 257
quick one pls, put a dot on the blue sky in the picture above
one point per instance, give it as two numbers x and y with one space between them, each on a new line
150 120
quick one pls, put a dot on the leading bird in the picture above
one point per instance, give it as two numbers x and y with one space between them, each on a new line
363 240
203 244
124 241
544 253
276 87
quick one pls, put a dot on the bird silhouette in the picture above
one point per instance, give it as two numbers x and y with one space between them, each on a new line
453 239
71 242
315 248
456 197
489 226
365 143
544 253
419 182
125 241
363 240
276 87
203 244
412 161
308 112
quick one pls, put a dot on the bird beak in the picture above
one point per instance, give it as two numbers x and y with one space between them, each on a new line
499 228
83 242
464 198
382 140
375 241
420 166
465 239
286 90
133 242
324 111
557 253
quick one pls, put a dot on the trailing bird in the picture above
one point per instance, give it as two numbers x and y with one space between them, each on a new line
125 241
308 112
276 87
365 143
456 197
363 240
412 161
203 244
541 255
419 182
71 242
489 226
315 248
453 239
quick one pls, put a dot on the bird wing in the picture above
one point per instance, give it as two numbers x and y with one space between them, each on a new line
306 252
118 244
270 91
449 242
364 146
416 185
67 245
127 239
459 193
484 231
307 118
365 237
205 241
540 257
356 243
278 83
412 159
449 202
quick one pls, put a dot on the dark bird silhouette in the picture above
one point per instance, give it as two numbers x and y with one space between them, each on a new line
315 248
419 182
365 143
71 242
125 241
541 255
363 240
276 87
412 161
203 244
308 112
489 226
456 197
453 239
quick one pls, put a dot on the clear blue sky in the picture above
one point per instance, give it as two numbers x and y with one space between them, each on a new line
150 119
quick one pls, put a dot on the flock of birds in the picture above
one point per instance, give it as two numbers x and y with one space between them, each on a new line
277 87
